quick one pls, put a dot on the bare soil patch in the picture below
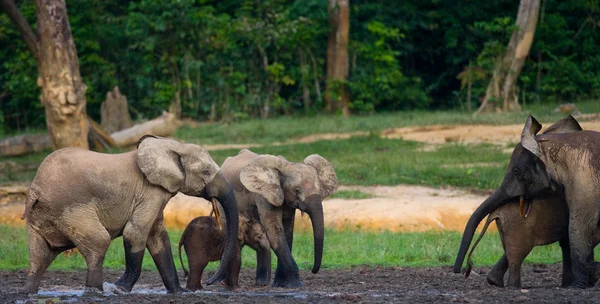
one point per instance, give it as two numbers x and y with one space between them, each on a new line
394 208
356 285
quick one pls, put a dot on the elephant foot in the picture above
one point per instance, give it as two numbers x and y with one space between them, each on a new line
229 285
194 287
495 280
261 282
295 283
177 290
579 285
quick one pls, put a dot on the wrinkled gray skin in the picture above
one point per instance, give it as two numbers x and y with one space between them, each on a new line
84 199
269 189
203 243
547 222
525 177
573 162
561 157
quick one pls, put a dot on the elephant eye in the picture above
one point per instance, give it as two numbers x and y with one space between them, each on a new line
516 172
206 172
297 191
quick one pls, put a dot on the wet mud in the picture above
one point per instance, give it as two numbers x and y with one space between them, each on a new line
356 285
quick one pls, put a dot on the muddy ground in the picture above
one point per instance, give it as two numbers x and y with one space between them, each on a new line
356 285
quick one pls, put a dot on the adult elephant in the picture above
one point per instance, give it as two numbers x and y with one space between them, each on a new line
84 199
526 179
269 189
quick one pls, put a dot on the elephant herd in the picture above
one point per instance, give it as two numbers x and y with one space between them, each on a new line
84 199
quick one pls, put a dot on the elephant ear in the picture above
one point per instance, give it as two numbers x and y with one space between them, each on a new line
327 177
262 175
528 141
566 125
160 162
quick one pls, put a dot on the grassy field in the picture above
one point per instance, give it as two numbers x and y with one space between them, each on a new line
370 160
343 249
362 160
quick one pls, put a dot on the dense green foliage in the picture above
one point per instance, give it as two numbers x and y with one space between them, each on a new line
230 59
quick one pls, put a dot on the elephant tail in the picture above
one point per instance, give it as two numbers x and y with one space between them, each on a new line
185 272
32 198
491 218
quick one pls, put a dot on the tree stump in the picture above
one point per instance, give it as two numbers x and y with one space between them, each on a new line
114 112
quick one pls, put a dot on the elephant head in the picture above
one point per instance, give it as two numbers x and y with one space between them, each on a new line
525 179
189 169
299 185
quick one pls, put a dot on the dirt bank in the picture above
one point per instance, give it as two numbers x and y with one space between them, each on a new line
395 208
357 285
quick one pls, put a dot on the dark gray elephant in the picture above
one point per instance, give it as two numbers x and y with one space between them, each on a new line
571 161
545 220
84 199
269 189
526 179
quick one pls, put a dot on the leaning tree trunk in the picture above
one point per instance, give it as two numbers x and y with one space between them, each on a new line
502 86
63 92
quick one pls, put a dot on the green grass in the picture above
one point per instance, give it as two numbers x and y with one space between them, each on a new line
343 249
284 128
370 160
351 194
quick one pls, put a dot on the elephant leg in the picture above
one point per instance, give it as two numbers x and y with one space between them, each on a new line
92 242
288 217
263 258
516 249
40 257
232 281
271 219
496 275
567 273
134 243
582 225
159 246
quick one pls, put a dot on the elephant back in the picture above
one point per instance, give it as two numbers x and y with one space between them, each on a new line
232 166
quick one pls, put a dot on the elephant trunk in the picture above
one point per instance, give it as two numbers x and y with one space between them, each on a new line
315 212
490 204
220 189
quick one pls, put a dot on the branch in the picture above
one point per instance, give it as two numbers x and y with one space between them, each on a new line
9 7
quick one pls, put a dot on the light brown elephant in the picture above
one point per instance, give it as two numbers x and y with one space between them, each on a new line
269 189
203 241
84 199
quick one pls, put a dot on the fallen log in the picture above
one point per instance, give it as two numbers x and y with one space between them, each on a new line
24 144
164 125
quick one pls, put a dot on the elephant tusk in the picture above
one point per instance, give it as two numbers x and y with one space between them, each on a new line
521 205
529 203
216 212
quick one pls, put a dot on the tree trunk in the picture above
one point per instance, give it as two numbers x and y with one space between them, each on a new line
175 106
63 92
506 74
114 112
340 74
304 73
315 73
164 125
469 86
333 16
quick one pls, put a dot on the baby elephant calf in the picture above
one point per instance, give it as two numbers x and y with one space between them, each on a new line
203 241
546 222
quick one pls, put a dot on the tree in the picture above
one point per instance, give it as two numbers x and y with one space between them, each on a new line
337 56
63 91
502 86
